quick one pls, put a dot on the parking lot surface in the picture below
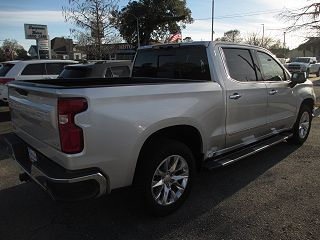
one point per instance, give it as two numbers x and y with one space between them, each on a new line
272 195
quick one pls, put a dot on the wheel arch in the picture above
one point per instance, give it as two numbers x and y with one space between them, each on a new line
308 102
187 134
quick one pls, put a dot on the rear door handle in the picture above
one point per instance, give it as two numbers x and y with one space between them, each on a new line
273 92
235 96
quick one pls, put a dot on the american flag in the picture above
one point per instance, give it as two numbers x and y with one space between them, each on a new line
175 37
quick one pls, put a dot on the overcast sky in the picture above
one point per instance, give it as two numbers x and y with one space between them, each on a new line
245 15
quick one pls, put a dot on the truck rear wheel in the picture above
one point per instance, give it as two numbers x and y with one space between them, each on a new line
302 126
166 176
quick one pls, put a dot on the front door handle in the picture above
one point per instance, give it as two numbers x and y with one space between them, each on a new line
235 96
273 92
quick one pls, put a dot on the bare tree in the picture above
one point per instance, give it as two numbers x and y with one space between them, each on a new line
255 39
307 17
12 48
231 36
91 21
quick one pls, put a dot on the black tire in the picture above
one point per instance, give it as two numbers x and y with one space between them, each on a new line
297 137
157 152
318 73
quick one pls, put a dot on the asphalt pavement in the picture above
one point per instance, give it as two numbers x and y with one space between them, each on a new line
272 195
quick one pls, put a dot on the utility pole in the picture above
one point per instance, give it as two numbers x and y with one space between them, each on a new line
212 20
262 42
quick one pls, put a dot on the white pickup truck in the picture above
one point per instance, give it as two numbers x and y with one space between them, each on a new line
308 65
186 106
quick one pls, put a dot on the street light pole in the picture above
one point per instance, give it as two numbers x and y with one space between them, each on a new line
284 44
212 20
262 42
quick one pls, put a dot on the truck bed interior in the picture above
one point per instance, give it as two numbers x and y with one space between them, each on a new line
100 82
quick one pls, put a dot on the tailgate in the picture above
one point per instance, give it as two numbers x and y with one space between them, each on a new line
35 113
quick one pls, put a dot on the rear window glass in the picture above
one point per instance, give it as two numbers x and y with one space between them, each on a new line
120 71
34 69
79 72
54 68
187 62
5 69
240 64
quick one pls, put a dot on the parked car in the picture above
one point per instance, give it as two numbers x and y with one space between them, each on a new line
308 65
29 70
187 106
100 69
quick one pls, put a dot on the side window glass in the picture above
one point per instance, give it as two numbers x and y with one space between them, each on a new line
271 70
240 64
54 68
34 69
120 71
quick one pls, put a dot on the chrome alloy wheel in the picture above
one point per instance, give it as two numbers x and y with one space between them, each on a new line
304 125
170 180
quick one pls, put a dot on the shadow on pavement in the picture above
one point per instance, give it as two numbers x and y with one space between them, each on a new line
4 116
2 103
316 83
28 213
4 149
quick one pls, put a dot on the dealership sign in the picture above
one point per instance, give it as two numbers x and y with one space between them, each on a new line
36 31
43 44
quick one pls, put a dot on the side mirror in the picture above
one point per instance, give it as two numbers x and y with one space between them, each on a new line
314 62
298 77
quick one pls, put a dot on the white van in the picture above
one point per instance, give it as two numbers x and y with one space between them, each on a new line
29 70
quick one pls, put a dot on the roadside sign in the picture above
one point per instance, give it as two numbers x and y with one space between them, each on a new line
43 45
35 31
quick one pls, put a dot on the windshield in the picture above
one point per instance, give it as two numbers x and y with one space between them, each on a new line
303 60
5 69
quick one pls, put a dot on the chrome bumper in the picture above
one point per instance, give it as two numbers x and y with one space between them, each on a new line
55 179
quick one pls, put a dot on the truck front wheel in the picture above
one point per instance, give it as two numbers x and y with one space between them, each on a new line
302 126
318 73
166 176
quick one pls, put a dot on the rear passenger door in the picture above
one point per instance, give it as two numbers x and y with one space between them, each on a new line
32 71
246 98
282 104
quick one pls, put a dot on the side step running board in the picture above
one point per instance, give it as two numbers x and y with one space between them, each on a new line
230 158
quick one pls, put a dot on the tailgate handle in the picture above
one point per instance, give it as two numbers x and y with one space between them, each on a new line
22 92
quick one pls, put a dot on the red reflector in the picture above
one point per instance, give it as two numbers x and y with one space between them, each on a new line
6 80
71 135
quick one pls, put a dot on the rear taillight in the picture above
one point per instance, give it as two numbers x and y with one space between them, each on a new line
6 80
71 135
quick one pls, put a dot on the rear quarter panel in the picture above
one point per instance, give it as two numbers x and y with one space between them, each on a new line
116 127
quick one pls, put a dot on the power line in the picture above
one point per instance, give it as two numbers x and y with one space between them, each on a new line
248 14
